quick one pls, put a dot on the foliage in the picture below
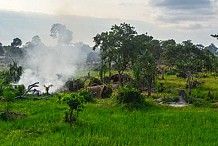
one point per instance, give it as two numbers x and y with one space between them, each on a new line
60 32
94 81
130 97
144 70
115 47
86 95
15 71
104 123
4 116
20 90
75 105
9 97
16 42
36 41
1 50
187 58
215 35
1 90
198 102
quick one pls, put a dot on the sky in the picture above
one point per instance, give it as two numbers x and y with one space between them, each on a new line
181 20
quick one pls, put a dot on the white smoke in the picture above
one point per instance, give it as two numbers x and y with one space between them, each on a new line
49 66
52 65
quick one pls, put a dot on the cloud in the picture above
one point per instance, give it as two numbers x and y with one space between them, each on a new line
184 4
196 13
192 26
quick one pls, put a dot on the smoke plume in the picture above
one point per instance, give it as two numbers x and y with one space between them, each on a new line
51 65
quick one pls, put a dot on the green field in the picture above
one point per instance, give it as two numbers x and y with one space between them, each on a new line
106 123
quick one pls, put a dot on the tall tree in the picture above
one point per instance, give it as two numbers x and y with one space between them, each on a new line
61 32
36 41
15 71
161 65
186 57
145 61
115 46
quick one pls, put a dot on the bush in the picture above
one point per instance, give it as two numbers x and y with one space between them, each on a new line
129 96
160 87
4 116
86 95
20 90
171 72
1 90
94 82
196 101
75 104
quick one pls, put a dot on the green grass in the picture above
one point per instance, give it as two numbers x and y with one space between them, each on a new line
105 123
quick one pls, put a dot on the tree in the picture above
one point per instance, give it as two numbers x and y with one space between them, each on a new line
16 42
63 34
1 49
115 47
145 58
93 57
36 40
75 104
161 65
15 71
186 57
209 60
215 35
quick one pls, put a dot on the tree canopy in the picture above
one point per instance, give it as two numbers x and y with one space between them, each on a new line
16 42
61 32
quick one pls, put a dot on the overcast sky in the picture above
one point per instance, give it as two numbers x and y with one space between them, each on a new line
163 19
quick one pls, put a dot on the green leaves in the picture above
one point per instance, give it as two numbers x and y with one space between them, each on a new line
115 46
75 104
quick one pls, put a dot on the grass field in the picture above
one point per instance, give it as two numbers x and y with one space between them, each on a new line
106 123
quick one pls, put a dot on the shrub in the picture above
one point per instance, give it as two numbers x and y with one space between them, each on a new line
160 87
129 96
4 116
196 101
20 90
75 104
86 95
1 90
171 72
9 97
94 81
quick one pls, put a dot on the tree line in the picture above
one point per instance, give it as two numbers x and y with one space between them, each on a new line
123 49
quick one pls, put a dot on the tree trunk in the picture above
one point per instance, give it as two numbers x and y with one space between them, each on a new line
149 89
101 74
189 83
109 68
120 81
162 73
